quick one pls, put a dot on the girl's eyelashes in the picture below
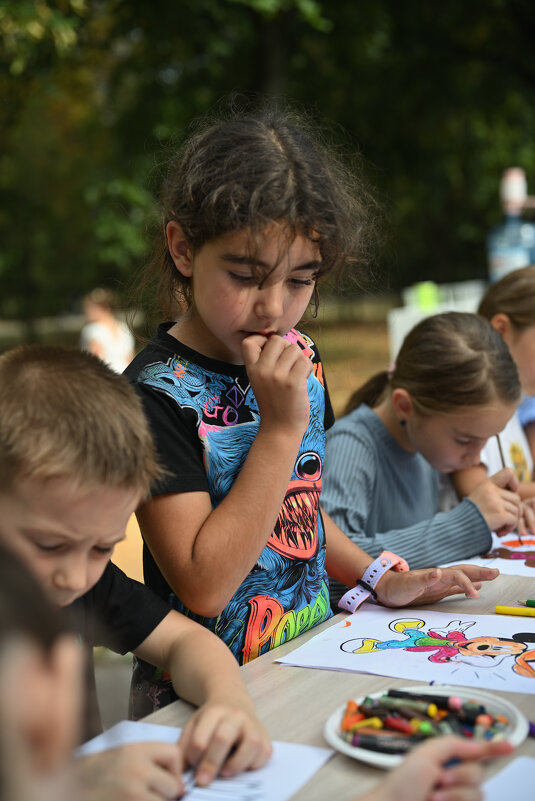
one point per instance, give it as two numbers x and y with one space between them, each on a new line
302 281
240 278
249 279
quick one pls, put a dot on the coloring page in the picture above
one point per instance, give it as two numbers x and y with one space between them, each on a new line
486 651
511 554
290 766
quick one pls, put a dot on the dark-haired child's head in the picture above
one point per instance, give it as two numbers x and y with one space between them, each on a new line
253 170
76 457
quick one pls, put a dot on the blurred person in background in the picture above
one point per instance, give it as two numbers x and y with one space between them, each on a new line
103 334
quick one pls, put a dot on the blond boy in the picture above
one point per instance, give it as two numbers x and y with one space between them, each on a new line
76 458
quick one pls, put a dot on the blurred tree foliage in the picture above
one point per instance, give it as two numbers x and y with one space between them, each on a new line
438 97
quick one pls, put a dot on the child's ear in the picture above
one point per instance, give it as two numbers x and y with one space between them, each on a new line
402 402
179 248
502 324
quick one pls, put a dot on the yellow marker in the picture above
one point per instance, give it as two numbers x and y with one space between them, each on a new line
523 611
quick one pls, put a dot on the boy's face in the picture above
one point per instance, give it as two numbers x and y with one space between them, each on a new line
64 534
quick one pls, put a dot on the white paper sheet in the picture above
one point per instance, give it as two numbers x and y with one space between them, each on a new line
516 781
510 555
472 650
288 769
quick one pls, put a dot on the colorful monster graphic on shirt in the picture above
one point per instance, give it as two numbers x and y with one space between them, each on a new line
286 593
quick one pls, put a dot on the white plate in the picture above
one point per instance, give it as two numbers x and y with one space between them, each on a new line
515 733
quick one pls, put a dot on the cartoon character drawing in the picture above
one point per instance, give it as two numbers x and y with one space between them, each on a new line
452 645
508 553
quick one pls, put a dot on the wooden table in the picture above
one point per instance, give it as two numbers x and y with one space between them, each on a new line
295 702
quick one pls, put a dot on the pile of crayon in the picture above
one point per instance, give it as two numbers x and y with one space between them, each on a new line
396 721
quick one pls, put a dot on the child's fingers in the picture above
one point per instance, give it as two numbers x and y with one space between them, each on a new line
141 770
292 357
505 478
527 521
197 732
249 755
444 749
449 580
458 578
219 746
466 773
479 573
280 357
252 346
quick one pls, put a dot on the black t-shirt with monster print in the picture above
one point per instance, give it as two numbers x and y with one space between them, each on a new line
204 417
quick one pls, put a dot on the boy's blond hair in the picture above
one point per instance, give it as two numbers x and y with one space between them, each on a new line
64 413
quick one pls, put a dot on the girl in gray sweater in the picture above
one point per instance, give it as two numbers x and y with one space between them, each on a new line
453 386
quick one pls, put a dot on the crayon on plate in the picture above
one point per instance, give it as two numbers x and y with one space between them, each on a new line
440 701
385 745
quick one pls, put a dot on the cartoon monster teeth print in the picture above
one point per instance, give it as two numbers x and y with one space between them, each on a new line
295 534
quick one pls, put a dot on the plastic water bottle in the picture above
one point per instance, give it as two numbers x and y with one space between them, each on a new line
511 244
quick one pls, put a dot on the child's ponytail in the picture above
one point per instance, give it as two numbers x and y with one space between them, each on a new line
446 362
369 393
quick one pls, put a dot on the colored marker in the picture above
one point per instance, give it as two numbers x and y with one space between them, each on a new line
398 724
527 603
515 610
455 726
483 724
441 701
470 712
419 706
386 745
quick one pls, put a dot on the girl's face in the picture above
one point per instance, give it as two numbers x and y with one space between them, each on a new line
229 304
453 441
521 344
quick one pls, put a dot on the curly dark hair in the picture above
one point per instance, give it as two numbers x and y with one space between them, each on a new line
253 167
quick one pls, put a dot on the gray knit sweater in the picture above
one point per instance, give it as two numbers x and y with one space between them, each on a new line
385 498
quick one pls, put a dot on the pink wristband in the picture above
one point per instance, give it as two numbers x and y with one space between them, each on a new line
365 586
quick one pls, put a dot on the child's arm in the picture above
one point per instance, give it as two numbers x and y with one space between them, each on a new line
206 553
224 735
465 482
424 775
498 497
346 562
354 487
